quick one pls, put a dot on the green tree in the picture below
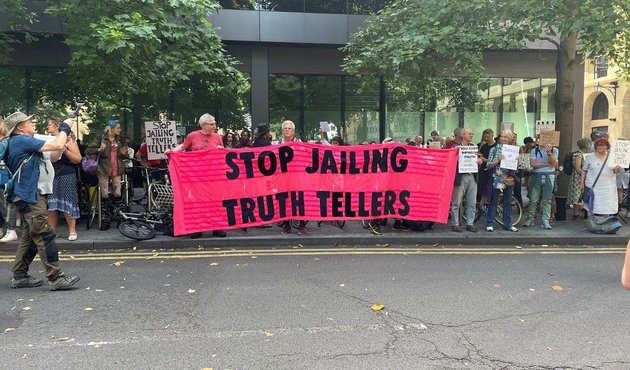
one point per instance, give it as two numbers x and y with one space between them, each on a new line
125 54
420 39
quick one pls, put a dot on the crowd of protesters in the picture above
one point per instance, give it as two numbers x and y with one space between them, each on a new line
536 177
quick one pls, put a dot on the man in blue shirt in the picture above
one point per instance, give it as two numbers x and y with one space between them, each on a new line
544 161
24 155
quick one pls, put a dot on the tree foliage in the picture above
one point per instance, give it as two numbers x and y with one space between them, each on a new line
415 40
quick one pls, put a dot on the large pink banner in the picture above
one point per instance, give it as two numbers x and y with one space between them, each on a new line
234 188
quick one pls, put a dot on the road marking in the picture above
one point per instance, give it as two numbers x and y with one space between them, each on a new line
98 256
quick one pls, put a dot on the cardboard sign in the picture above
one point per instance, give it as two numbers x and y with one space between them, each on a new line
545 126
304 181
161 135
549 137
510 153
507 126
620 154
468 159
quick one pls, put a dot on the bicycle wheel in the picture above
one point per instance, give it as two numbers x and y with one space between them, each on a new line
136 229
340 223
365 224
478 211
516 210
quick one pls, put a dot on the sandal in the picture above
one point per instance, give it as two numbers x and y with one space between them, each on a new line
72 237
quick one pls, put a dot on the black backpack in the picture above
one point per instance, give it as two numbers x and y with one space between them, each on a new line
567 166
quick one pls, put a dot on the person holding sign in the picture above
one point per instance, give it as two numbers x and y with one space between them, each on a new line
544 161
112 154
505 178
465 180
288 135
205 138
600 178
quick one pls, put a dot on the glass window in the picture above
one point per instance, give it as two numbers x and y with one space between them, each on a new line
330 6
322 102
285 95
366 6
280 5
486 112
520 106
600 107
238 4
361 115
601 67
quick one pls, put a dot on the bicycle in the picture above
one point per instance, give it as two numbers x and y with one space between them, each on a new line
481 208
144 225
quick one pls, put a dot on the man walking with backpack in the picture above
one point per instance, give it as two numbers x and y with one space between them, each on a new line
24 154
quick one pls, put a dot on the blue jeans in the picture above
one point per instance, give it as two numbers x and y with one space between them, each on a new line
541 183
467 188
507 207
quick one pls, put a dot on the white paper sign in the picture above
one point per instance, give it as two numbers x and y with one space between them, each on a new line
324 126
620 154
544 126
510 153
468 159
161 135
435 144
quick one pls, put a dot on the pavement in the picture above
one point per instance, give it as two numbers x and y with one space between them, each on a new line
563 233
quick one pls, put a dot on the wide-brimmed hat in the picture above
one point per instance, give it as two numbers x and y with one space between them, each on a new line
14 119
261 129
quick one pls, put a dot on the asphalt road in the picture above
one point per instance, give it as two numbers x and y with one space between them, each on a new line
299 308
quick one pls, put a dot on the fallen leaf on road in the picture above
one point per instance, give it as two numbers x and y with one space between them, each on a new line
549 274
532 289
557 288
8 330
549 349
342 285
88 309
267 334
191 291
98 290
517 247
167 284
24 357
377 307
386 245
207 368
214 264
26 308
200 248
119 263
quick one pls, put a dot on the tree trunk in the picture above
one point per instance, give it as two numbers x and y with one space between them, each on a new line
565 84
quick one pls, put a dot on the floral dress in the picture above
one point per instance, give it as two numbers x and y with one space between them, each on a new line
574 184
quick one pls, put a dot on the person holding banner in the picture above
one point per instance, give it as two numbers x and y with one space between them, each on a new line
544 161
465 180
204 138
288 135
501 182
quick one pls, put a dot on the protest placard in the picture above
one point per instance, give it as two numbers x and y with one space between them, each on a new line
324 126
549 137
524 163
160 136
510 153
435 144
545 126
620 154
505 126
468 159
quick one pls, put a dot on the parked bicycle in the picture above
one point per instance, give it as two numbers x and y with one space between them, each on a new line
481 209
144 225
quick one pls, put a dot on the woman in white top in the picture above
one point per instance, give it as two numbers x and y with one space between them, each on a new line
605 190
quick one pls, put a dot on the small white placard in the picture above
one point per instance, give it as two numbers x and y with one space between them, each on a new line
545 126
468 159
161 135
620 154
324 126
435 144
524 163
510 153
